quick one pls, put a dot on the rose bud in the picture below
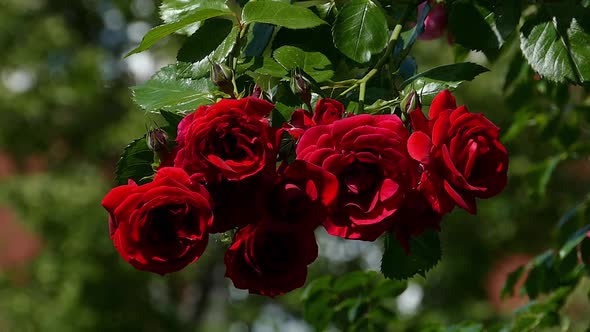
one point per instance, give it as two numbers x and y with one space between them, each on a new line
411 102
327 111
436 21
157 140
222 76
301 87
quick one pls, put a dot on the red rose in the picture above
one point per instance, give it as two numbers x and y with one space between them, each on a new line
229 140
368 155
300 122
436 21
160 226
301 195
298 195
327 111
460 154
270 258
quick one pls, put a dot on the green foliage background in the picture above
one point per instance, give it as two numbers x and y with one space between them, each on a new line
66 113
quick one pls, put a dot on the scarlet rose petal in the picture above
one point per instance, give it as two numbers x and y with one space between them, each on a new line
419 145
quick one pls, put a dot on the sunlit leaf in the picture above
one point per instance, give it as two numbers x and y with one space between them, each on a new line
166 90
360 30
281 14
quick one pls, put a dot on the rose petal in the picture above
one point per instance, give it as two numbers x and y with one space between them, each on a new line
444 100
419 146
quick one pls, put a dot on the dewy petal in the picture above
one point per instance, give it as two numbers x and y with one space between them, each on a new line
419 145
443 101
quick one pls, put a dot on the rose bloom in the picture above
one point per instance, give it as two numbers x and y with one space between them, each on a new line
369 157
327 111
270 258
300 121
160 226
229 140
460 154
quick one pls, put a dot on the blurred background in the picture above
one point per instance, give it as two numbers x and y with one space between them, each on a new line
66 114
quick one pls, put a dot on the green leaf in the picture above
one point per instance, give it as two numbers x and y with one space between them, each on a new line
260 36
162 31
469 28
585 251
315 64
555 53
263 66
203 42
542 276
466 327
173 120
135 163
166 90
513 278
574 240
172 11
507 14
387 288
200 68
281 14
351 281
425 252
317 285
360 30
428 88
457 72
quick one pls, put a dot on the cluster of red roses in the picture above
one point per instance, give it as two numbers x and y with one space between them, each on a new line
359 176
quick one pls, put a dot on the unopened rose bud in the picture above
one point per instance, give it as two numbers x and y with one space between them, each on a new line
436 21
257 92
410 102
157 140
222 76
301 88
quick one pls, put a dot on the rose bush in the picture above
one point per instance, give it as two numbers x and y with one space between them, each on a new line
460 154
368 155
160 226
